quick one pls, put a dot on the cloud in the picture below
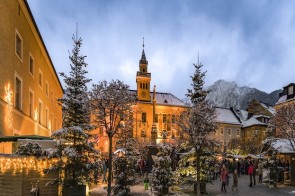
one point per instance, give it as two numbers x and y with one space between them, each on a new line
250 42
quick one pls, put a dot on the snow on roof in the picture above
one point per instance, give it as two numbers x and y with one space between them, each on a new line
242 114
225 115
167 99
282 145
269 108
282 99
45 144
252 121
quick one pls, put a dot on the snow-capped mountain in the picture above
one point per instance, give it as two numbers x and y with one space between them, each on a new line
228 94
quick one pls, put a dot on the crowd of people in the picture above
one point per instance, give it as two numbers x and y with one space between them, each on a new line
220 170
253 168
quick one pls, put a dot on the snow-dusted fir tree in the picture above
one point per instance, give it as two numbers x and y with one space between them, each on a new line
198 121
125 165
162 172
75 146
186 173
111 106
29 149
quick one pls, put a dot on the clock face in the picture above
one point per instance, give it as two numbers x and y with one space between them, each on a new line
143 94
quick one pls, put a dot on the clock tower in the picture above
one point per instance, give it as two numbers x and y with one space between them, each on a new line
143 79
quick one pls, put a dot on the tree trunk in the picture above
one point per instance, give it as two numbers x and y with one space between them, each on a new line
110 166
198 187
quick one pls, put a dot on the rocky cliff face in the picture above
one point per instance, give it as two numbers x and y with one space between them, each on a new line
228 94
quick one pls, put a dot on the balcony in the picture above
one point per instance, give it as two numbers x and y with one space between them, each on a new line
145 74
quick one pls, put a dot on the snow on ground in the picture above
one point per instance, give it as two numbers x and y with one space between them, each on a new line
137 190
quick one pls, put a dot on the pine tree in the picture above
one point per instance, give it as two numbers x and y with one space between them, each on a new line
198 121
186 172
78 159
197 94
125 165
162 172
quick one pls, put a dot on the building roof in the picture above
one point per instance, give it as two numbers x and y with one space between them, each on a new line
284 99
252 121
167 99
242 114
269 108
226 115
164 99
31 137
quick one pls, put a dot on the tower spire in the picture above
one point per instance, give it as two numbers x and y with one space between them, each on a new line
143 58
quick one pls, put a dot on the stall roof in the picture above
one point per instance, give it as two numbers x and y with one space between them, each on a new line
15 138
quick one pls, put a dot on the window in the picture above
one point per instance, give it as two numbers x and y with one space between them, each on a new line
140 85
143 133
101 130
143 117
51 96
164 118
50 126
47 89
46 117
40 112
40 79
221 131
31 104
18 45
18 93
238 132
31 65
156 118
256 132
173 118
229 131
290 90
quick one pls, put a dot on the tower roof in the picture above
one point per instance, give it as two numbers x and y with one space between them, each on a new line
143 58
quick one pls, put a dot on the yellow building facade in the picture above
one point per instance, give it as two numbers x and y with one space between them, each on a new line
29 85
158 108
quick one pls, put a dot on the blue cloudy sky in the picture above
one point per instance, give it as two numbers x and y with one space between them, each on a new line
251 42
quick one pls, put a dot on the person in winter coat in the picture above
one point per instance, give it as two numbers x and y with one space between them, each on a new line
216 171
250 173
223 178
260 167
146 183
235 180
104 169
